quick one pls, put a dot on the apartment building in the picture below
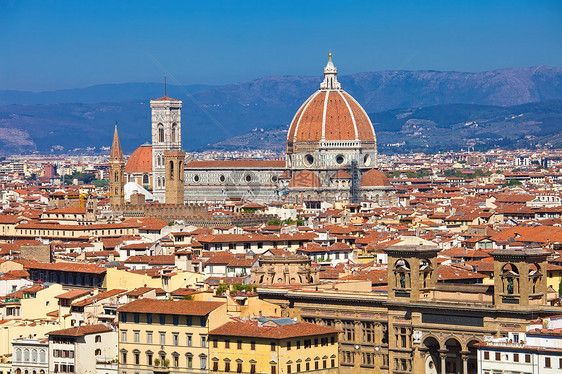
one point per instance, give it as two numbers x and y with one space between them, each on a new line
78 349
273 345
164 336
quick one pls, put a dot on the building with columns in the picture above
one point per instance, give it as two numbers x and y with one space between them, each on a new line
420 325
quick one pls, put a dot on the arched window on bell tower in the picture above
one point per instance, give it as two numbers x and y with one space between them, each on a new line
160 133
174 132
171 176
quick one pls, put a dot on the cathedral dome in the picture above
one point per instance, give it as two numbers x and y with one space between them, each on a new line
140 160
330 115
305 178
375 178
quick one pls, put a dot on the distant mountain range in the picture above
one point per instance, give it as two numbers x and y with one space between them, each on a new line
80 118
441 128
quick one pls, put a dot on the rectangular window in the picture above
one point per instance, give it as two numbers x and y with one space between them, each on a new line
176 361
162 338
498 356
188 321
227 367
547 362
272 344
527 358
516 357
123 336
215 343
123 357
123 317
203 341
316 342
137 336
239 367
203 321
176 339
253 346
239 344
298 368
289 369
189 340
176 320
137 358
149 337
253 369
136 317
162 319
215 366
227 344
149 319
298 346
203 362
273 369
486 355
288 346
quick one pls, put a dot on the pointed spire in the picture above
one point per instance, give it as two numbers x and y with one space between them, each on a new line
116 152
330 76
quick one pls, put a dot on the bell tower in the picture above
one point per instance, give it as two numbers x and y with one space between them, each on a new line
520 277
116 174
412 271
166 136
174 163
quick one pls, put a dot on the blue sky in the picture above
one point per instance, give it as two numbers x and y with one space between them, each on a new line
46 45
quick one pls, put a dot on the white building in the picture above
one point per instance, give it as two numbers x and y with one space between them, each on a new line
80 349
30 355
538 350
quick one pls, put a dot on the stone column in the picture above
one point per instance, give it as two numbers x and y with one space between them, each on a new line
465 356
443 356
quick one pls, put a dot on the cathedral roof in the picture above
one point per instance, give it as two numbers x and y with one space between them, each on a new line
140 160
305 178
165 98
341 174
330 114
375 178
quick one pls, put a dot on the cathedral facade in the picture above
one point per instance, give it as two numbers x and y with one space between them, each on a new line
331 156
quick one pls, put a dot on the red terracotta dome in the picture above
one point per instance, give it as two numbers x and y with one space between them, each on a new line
375 178
330 114
140 160
305 178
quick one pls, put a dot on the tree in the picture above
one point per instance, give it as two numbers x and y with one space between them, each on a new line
512 182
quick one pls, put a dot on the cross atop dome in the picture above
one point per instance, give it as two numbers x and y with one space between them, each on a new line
330 76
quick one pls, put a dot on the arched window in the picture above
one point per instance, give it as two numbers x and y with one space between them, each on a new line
98 352
34 355
42 356
174 132
171 170
26 355
18 355
160 133
98 338
145 179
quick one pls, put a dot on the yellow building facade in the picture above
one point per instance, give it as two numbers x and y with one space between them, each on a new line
272 346
165 336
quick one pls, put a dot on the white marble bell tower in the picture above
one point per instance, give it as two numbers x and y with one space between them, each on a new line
166 136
